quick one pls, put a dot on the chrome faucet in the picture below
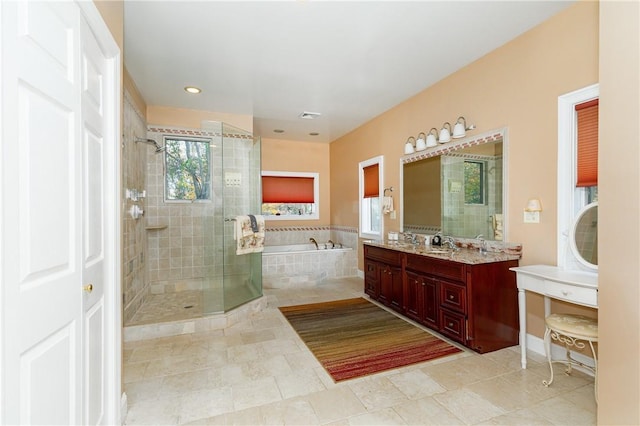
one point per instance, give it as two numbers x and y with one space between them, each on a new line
411 237
332 244
450 242
313 240
482 244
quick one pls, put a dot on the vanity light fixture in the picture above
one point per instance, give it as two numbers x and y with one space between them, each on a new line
532 211
421 143
192 89
432 138
445 133
409 146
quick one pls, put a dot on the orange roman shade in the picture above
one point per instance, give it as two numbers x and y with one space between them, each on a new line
371 181
587 118
287 189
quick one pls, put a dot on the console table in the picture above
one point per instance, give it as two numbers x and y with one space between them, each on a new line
580 288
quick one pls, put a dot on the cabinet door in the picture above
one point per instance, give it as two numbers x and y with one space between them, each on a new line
430 302
371 279
386 284
397 290
414 298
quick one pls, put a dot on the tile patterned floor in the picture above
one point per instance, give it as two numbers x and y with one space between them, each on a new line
258 372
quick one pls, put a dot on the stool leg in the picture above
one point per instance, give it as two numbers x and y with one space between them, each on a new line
547 350
595 371
569 368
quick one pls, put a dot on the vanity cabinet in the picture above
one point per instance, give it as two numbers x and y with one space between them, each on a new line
384 268
475 304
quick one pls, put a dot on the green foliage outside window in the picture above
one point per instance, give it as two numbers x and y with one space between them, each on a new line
473 182
187 172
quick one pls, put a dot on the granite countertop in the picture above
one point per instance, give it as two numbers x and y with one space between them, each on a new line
463 255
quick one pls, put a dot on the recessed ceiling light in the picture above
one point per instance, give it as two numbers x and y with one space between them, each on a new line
278 131
192 89
309 115
314 134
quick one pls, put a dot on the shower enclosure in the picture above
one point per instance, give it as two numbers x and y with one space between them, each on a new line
188 267
231 279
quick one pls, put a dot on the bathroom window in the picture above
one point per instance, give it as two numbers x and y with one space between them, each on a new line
575 189
474 182
370 184
187 169
290 195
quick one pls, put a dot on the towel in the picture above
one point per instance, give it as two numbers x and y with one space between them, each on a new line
387 204
497 226
248 241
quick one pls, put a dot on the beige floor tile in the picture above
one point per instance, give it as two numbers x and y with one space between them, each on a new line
415 384
426 411
470 407
384 416
255 393
376 392
560 411
335 404
299 382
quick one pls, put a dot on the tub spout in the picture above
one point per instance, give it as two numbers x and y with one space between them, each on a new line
313 240
332 244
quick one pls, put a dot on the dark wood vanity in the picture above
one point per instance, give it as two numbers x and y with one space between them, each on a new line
473 302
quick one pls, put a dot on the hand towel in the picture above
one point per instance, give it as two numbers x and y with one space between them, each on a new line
248 241
497 226
387 204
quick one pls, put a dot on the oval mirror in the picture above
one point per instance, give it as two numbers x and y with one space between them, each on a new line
584 236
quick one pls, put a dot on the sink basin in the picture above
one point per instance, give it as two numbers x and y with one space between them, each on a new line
438 251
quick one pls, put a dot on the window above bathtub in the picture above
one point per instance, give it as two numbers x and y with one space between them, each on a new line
290 195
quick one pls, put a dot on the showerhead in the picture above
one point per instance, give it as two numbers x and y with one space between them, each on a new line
151 142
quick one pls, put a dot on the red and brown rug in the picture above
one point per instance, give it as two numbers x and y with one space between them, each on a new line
354 337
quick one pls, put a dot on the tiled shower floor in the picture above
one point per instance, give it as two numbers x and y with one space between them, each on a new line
188 304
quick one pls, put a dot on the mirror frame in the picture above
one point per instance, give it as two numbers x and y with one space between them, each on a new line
497 135
572 236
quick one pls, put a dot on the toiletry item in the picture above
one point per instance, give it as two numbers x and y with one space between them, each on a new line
436 241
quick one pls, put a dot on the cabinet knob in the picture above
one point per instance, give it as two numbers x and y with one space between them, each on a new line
451 297
451 324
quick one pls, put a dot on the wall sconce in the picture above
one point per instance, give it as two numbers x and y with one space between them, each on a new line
532 211
445 133
409 146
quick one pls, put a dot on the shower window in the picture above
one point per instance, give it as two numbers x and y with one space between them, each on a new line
187 169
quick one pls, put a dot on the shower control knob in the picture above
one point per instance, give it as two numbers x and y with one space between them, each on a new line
88 288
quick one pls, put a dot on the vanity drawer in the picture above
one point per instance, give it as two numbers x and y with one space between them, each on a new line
453 296
571 293
390 257
441 268
452 324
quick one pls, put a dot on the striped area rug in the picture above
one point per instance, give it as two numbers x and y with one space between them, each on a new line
353 338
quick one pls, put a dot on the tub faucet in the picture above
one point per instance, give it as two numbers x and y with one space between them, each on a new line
332 244
313 240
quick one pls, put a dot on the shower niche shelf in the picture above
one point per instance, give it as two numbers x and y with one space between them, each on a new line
155 227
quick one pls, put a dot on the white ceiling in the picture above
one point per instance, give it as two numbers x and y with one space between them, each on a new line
348 61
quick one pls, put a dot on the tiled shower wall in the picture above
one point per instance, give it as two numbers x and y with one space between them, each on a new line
185 250
134 157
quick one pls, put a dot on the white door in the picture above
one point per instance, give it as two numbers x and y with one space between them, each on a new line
55 215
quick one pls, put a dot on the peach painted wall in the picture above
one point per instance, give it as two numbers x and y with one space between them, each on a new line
294 156
191 118
619 209
517 87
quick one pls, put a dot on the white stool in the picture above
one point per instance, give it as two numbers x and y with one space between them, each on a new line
572 331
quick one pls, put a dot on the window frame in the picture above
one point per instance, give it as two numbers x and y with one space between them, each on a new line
571 199
316 194
482 165
363 220
164 165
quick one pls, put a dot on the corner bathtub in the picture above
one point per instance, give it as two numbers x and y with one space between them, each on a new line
302 265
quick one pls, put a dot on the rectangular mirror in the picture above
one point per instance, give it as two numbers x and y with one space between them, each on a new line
456 188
